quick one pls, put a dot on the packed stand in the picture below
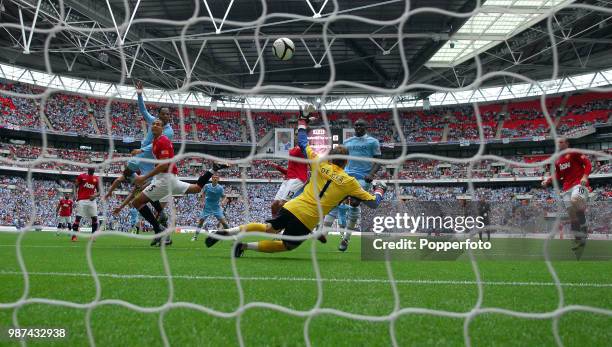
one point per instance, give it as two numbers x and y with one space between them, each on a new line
526 118
424 126
218 126
463 125
69 113
19 112
586 110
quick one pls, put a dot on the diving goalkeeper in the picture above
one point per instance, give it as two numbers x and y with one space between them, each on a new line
329 185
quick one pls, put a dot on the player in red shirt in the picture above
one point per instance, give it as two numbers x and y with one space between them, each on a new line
572 171
64 210
164 181
87 187
296 175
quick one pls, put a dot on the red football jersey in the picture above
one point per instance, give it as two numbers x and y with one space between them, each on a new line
296 169
163 149
570 168
87 185
65 208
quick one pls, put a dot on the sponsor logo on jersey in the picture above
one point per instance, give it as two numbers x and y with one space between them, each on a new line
564 166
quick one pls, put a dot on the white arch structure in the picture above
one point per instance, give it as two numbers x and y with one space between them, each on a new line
290 103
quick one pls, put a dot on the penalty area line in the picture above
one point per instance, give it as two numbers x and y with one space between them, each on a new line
309 279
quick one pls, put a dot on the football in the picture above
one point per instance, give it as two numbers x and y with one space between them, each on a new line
283 48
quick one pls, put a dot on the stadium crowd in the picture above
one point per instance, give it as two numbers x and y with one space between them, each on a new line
70 113
192 166
16 209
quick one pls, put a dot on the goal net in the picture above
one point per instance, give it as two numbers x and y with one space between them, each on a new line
206 108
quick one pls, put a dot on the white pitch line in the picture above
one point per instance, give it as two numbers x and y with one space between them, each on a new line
305 279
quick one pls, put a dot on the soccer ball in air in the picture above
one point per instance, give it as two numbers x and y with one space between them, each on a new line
283 48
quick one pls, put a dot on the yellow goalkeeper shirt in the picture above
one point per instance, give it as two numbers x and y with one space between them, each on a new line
328 184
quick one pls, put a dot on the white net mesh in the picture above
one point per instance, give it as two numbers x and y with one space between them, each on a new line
327 14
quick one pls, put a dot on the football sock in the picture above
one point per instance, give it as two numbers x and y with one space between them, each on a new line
75 226
267 246
248 227
94 224
146 213
157 206
255 227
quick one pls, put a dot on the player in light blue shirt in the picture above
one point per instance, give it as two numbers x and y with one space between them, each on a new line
134 220
213 194
146 145
359 146
135 165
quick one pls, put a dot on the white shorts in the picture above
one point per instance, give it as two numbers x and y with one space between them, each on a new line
65 220
574 192
87 208
288 189
164 186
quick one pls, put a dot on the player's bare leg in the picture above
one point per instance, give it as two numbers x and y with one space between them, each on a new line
198 230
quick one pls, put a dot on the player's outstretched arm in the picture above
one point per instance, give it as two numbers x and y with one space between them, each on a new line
586 163
277 167
126 201
114 186
372 201
548 181
75 189
141 105
303 137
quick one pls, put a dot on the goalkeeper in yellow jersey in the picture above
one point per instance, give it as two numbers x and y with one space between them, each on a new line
329 185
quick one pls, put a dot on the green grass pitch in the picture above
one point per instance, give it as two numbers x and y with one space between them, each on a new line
132 271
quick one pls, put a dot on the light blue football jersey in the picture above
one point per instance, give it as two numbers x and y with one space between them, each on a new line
213 195
364 147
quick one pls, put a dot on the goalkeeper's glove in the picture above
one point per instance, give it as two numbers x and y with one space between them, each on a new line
303 118
380 188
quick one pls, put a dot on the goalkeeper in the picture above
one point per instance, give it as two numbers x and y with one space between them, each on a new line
328 186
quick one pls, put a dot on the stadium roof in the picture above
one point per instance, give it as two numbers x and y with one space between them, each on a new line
164 52
496 22
288 102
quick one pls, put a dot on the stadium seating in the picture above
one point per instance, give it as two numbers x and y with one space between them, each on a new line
68 113
17 208
193 166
